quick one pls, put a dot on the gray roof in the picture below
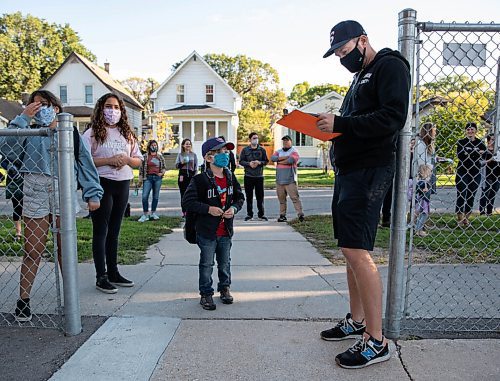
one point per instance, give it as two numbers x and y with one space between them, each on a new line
10 109
198 110
79 110
434 101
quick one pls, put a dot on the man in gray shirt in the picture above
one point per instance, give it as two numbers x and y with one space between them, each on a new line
254 158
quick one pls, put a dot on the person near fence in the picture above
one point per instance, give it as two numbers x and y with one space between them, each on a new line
253 159
115 151
423 191
215 196
491 181
373 112
468 177
187 164
39 188
14 192
286 160
151 174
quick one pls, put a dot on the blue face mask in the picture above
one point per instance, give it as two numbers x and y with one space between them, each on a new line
221 160
45 116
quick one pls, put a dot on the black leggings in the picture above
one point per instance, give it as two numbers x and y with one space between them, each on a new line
17 206
186 179
106 224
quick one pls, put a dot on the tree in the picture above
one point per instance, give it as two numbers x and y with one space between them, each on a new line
303 93
464 100
31 49
258 84
164 134
141 89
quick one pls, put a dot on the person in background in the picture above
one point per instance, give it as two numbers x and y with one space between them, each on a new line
115 151
468 177
215 196
40 191
151 174
286 160
254 158
14 193
422 198
491 182
187 164
232 158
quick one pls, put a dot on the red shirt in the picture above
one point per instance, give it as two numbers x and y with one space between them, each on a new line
222 189
153 165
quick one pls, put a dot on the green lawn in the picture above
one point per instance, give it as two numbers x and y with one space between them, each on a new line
135 238
446 242
308 177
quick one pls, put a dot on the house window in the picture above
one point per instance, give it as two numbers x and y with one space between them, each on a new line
180 94
223 129
299 139
63 94
198 131
209 93
210 130
89 94
175 133
186 130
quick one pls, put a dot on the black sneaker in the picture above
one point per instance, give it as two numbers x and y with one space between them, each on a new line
301 218
23 310
282 219
118 280
102 284
207 302
345 329
363 353
263 218
248 218
225 296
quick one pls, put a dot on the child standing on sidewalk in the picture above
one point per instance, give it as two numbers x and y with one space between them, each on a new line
215 196
422 198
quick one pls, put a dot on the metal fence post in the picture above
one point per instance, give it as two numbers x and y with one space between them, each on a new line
73 323
395 282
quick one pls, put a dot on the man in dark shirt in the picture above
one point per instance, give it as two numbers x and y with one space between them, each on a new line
254 158
374 110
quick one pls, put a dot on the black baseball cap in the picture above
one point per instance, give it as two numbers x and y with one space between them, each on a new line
342 33
213 144
286 137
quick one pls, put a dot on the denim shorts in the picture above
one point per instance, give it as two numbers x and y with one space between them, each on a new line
41 196
357 199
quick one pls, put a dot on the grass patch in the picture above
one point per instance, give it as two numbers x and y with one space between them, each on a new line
446 242
308 177
134 241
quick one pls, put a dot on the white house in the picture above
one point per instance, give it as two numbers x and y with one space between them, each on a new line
199 102
311 154
79 83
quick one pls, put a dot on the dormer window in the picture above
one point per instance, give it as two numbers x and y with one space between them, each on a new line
209 93
180 94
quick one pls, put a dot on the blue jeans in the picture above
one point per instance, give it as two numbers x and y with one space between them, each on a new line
220 248
152 182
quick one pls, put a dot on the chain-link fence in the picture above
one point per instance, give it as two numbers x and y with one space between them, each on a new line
453 278
37 221
29 282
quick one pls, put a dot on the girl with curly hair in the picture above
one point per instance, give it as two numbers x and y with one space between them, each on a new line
115 151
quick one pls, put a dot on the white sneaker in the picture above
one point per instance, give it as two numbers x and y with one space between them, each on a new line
154 216
143 218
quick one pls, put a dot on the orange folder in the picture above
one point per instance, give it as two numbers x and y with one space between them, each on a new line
306 123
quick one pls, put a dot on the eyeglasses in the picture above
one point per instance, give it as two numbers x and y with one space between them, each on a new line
470 128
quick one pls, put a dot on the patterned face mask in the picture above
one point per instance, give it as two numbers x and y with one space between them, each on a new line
112 116
45 116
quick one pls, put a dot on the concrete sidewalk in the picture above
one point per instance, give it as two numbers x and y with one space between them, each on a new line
285 294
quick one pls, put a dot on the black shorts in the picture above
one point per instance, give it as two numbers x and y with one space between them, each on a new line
357 199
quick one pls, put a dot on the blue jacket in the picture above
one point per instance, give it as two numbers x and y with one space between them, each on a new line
34 152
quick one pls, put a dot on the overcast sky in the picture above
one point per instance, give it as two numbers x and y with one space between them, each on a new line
144 37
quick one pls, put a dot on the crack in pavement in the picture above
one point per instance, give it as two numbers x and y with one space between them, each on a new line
400 356
328 283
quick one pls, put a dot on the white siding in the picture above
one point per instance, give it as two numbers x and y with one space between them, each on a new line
194 75
75 76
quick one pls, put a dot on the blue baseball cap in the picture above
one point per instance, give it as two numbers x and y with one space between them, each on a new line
213 144
342 33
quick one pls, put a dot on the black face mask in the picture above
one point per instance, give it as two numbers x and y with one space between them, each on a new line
354 60
153 149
